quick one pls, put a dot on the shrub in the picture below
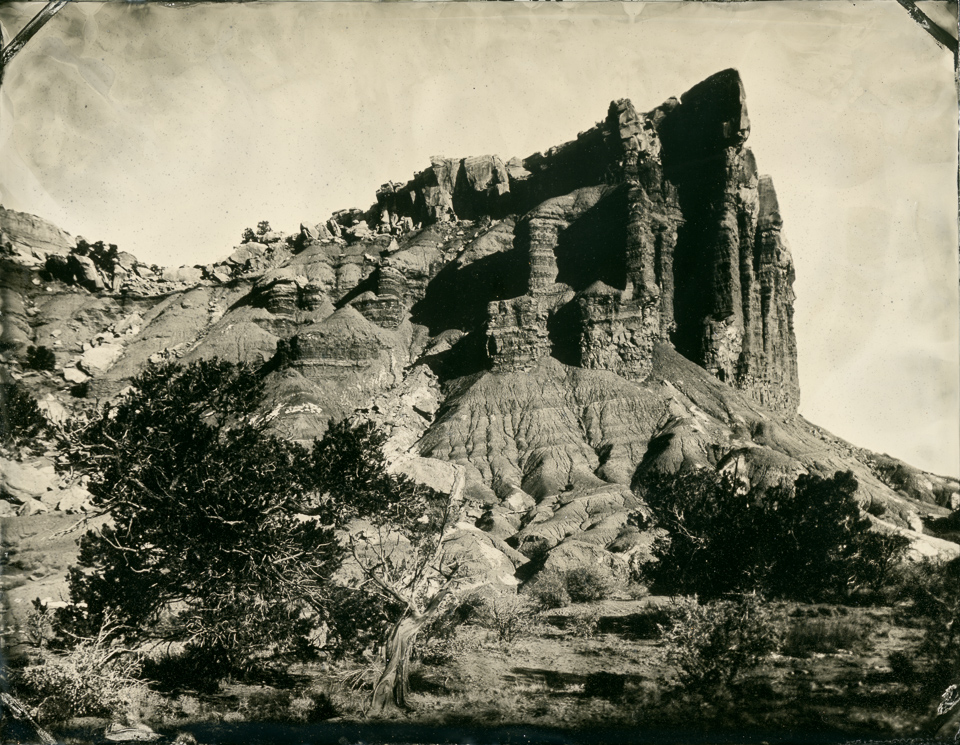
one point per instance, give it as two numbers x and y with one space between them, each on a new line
805 541
588 584
932 590
584 625
536 549
271 705
555 588
38 628
20 417
263 227
95 678
248 235
806 637
509 615
549 590
41 358
312 707
711 645
902 666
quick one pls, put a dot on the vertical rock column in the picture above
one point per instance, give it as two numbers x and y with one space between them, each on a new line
540 235
517 332
770 365
723 327
733 275
619 329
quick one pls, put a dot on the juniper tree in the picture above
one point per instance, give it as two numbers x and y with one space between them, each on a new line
203 545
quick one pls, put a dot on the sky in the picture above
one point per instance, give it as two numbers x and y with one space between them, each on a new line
169 130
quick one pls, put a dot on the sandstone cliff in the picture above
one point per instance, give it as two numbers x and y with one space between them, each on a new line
548 327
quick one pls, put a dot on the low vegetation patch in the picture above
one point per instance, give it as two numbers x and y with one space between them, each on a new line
554 588
97 677
808 636
41 358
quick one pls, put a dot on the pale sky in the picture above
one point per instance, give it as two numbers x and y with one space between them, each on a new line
168 131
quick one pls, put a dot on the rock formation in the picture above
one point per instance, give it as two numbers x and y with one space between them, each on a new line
550 327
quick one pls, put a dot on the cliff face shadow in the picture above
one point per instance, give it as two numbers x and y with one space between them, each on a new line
466 357
564 329
700 187
458 296
594 247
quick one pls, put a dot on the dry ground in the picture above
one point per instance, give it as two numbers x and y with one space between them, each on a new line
588 673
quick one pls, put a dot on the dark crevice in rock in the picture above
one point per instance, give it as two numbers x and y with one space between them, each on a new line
593 248
367 285
466 357
563 330
459 295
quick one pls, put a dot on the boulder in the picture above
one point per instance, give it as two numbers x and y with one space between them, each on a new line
139 732
309 232
358 232
97 360
245 253
185 274
22 482
85 272
127 323
75 499
126 260
32 507
73 374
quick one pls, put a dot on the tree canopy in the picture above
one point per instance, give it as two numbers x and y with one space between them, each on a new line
807 540
203 545
240 544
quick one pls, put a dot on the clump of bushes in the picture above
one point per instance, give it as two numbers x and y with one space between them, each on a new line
713 644
549 590
97 677
20 418
556 588
805 541
589 584
510 616
931 590
41 358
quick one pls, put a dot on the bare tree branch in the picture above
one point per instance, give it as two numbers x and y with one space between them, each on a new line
942 36
28 32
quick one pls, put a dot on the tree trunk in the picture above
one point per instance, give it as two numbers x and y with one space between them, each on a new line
390 692
28 729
